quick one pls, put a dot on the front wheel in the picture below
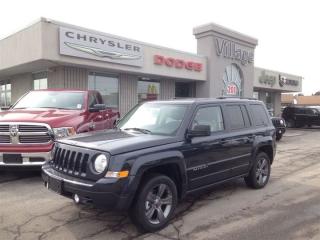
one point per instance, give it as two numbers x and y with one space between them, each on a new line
155 203
260 172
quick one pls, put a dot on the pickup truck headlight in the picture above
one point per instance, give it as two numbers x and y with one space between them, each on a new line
100 163
63 132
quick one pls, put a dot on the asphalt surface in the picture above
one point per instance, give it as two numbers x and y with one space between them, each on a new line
288 208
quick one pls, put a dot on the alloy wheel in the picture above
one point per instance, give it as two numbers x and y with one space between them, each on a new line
158 203
262 171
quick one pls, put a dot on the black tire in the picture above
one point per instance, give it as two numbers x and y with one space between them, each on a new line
141 206
278 137
255 181
291 123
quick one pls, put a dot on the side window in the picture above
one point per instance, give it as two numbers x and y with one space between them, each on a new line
259 114
235 117
245 114
99 98
92 100
211 116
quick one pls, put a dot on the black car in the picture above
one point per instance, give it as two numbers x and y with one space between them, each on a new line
300 116
160 152
280 125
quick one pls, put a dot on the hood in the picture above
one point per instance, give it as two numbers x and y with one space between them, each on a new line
53 117
117 141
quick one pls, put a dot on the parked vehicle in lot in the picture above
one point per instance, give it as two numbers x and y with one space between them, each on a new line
280 125
162 150
300 116
27 129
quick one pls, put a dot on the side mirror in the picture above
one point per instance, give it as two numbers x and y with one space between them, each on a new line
97 108
199 131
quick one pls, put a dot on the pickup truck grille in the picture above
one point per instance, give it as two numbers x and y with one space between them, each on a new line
16 133
4 139
71 162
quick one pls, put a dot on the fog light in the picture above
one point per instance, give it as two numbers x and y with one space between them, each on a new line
76 198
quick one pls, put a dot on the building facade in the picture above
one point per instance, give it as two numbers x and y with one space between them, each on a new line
51 54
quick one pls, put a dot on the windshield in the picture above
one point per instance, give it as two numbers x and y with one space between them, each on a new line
154 118
52 99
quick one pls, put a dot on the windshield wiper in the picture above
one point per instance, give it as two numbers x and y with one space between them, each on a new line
145 131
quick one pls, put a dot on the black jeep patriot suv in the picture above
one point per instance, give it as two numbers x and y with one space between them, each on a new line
162 150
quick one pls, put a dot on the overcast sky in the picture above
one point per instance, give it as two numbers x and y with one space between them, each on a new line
288 31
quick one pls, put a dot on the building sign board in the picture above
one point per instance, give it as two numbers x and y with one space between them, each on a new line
77 43
232 81
177 63
267 79
234 51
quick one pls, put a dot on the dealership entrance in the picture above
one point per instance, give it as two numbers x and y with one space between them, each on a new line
185 89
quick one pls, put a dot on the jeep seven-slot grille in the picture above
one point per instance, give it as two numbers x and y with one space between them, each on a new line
71 162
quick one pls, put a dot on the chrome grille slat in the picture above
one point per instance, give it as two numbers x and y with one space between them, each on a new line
32 128
24 133
4 139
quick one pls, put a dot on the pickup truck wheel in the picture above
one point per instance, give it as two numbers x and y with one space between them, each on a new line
260 172
155 203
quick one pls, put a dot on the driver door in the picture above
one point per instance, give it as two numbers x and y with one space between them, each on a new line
205 155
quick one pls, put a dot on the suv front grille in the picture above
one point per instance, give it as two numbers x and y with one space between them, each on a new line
16 133
71 162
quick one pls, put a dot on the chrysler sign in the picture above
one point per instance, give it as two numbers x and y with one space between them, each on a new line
82 44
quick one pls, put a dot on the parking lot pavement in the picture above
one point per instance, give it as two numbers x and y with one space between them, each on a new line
288 208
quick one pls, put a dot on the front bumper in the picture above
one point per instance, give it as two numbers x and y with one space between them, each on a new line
105 193
30 159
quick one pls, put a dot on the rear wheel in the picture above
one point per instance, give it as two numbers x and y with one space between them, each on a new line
260 172
278 136
155 203
291 123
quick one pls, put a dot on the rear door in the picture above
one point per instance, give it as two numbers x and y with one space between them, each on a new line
239 140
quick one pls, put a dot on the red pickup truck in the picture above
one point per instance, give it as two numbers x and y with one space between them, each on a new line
28 128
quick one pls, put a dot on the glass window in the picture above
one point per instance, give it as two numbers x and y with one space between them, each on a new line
236 117
40 84
5 95
148 91
52 99
154 118
40 80
107 85
259 114
211 116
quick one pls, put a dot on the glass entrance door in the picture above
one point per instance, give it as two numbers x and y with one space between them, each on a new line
184 90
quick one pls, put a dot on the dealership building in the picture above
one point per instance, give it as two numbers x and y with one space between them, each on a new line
51 54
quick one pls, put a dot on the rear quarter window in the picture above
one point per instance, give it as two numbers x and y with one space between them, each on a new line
259 114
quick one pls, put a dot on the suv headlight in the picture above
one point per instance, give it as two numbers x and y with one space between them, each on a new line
100 163
63 132
281 122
